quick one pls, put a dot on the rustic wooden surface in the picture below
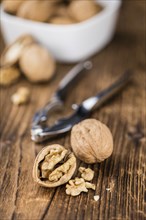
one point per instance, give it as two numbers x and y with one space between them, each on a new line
123 172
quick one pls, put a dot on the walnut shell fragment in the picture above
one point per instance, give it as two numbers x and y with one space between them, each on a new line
12 53
91 141
54 166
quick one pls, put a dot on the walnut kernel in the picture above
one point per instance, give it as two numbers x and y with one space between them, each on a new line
9 75
78 185
21 96
86 174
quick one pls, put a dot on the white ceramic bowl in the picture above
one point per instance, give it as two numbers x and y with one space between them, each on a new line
68 43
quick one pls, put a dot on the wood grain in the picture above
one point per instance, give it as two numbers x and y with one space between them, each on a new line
123 172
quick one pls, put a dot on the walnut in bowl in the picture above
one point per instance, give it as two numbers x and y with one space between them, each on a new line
67 43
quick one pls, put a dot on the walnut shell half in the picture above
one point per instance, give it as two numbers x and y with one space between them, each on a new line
54 166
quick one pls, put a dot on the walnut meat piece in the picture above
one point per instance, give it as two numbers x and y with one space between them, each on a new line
54 166
75 187
12 53
90 185
37 63
91 141
78 185
21 96
86 174
83 10
9 75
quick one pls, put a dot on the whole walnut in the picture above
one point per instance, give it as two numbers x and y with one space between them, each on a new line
83 10
61 20
36 10
37 63
91 141
61 10
12 6
12 52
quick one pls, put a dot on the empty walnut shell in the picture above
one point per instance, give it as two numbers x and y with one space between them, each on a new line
12 53
37 63
91 141
54 166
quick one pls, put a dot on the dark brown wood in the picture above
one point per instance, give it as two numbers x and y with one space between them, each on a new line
123 172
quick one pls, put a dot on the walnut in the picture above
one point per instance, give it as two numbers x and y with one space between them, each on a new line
83 10
37 10
61 10
37 63
21 96
91 141
12 53
61 20
11 6
90 185
54 166
86 174
78 185
9 75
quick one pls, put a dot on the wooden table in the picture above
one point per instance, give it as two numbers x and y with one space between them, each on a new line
123 172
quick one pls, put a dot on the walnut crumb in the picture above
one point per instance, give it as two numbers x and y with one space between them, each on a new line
21 96
96 197
108 189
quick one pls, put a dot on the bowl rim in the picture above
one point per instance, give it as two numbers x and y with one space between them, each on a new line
107 9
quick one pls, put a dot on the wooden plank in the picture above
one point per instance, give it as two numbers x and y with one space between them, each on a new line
123 172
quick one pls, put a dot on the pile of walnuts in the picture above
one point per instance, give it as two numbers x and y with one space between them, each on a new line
26 56
54 11
91 142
